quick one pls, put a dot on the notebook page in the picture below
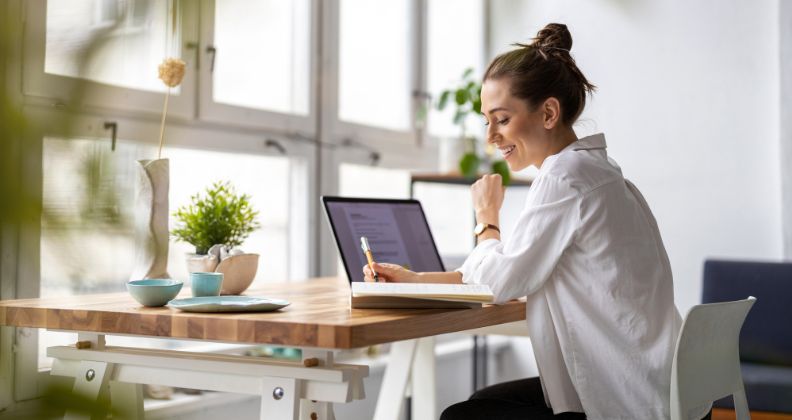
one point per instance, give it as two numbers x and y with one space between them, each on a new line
428 289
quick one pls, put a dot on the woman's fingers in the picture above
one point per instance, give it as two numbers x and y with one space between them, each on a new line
385 272
487 194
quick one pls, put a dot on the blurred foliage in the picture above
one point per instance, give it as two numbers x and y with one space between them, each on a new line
466 98
219 217
58 398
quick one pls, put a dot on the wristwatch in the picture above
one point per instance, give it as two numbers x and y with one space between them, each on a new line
481 227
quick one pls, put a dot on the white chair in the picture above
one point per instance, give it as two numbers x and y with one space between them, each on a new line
706 363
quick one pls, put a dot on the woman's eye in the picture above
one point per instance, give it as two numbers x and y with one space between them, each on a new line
503 121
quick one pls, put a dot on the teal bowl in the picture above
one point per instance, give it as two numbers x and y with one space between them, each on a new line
154 292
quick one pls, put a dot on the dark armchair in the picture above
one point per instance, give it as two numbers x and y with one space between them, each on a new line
766 338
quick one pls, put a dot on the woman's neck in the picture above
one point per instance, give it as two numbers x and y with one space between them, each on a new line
557 141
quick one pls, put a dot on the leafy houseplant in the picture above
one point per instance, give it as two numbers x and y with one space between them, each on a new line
218 217
466 98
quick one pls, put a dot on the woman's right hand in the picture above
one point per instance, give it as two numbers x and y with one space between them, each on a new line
390 273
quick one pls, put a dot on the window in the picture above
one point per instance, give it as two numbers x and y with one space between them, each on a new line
455 42
262 54
375 63
113 42
258 65
104 54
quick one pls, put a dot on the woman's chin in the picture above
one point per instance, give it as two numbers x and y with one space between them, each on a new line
514 165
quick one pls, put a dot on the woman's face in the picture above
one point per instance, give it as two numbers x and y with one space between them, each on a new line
519 132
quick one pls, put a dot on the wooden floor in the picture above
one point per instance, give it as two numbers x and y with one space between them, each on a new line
724 414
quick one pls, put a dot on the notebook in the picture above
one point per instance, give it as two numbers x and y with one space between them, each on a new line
419 295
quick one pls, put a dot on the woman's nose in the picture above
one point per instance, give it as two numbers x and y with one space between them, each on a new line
491 132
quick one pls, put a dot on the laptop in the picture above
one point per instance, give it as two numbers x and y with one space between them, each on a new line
397 232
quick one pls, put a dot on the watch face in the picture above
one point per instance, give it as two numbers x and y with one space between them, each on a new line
479 228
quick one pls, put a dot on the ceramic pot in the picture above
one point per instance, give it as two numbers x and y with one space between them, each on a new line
238 273
151 220
201 263
451 150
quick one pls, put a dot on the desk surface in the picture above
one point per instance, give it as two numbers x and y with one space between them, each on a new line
319 316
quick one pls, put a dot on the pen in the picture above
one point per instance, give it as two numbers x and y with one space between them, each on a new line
367 250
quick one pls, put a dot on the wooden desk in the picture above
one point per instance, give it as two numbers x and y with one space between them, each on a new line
319 320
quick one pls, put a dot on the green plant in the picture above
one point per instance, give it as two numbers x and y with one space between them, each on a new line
466 98
219 217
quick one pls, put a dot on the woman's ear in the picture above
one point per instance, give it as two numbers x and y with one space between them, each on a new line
552 113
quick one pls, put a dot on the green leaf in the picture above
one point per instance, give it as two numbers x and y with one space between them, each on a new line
469 165
502 168
461 96
477 105
219 217
459 116
467 73
443 101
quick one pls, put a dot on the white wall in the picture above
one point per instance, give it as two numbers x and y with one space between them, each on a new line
688 99
785 22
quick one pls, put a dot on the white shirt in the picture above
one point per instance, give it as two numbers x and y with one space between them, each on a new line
587 253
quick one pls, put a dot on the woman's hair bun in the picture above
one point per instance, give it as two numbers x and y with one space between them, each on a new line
553 36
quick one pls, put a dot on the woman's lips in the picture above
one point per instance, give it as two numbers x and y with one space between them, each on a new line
506 151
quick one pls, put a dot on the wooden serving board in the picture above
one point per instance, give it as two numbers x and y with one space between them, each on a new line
319 316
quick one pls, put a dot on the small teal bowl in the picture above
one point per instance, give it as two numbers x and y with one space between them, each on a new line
154 292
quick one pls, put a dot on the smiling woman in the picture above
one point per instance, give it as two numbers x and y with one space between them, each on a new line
586 253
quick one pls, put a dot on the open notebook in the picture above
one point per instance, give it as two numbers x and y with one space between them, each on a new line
419 295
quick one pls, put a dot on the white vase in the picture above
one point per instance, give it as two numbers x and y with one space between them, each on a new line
151 220
451 150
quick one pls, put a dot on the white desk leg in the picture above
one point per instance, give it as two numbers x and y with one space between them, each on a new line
394 383
423 381
127 400
317 410
91 384
280 399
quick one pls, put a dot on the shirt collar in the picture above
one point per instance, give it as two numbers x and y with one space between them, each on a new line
592 142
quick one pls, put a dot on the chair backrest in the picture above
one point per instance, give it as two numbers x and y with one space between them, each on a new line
706 364
762 340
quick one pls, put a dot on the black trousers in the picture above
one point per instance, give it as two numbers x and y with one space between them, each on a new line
516 400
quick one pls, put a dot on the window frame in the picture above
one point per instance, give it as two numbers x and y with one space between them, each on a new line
283 123
371 135
58 90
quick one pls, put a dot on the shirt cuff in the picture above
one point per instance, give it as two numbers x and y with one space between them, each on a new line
475 258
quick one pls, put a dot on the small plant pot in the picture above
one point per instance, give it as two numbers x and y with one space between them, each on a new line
238 273
201 263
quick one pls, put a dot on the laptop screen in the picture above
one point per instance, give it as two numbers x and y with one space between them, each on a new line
397 232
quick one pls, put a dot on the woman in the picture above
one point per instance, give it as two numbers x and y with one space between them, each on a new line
586 252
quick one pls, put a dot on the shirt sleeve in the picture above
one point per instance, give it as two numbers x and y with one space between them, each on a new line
520 265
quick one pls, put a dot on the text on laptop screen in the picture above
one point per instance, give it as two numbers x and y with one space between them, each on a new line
397 234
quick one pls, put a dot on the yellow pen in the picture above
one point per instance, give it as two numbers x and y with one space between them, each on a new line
367 250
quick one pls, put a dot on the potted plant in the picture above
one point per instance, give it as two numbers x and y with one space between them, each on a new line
218 221
466 98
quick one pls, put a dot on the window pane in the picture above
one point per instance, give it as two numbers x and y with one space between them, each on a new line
87 237
451 50
117 42
375 63
263 54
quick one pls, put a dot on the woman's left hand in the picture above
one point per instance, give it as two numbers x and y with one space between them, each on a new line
487 195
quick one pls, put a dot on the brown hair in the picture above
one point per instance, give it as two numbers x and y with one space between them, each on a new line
544 69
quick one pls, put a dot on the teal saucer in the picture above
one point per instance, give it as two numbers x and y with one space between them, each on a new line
228 304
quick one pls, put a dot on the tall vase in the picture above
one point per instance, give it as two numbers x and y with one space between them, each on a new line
151 220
